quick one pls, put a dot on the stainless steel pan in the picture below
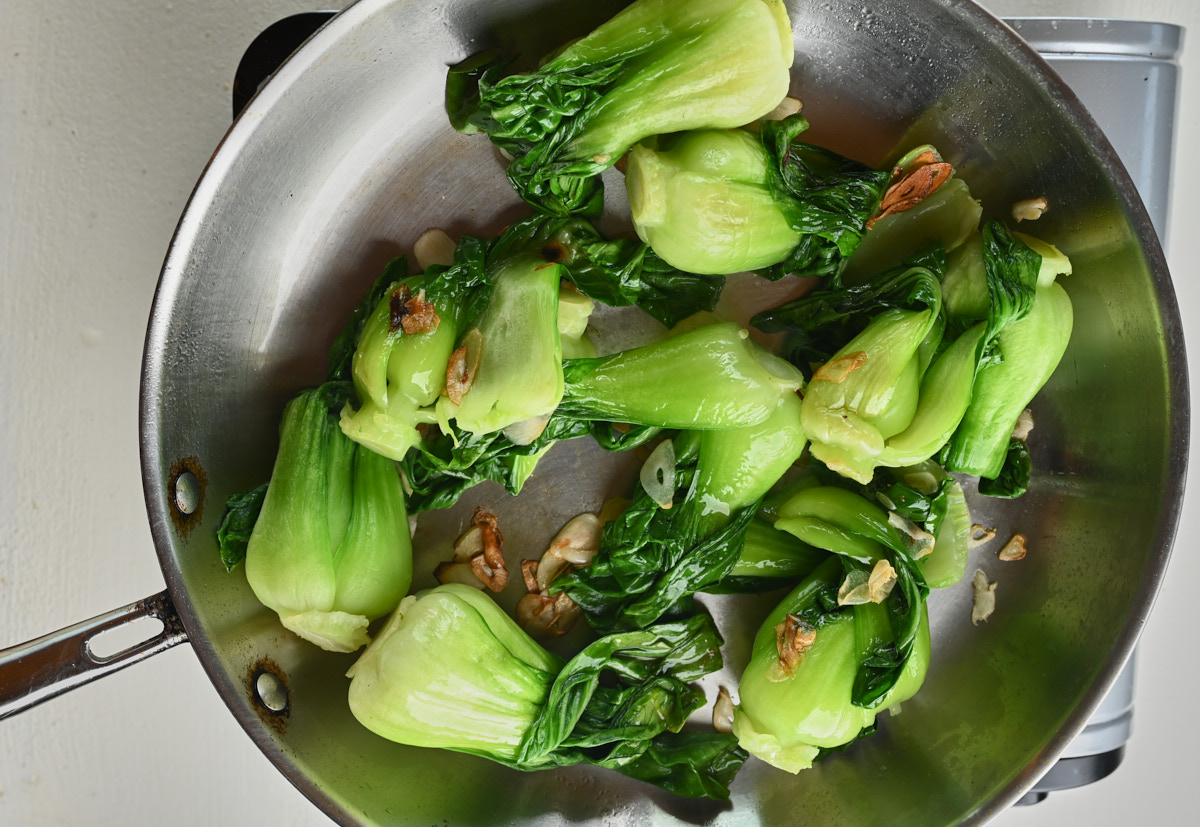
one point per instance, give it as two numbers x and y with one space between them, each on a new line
345 157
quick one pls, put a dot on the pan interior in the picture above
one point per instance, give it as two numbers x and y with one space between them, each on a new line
346 157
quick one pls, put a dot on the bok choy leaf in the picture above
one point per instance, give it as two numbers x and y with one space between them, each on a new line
654 68
452 670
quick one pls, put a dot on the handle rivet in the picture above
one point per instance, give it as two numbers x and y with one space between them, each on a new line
187 492
271 691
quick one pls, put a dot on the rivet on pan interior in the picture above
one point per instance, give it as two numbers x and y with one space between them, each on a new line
186 484
270 691
187 492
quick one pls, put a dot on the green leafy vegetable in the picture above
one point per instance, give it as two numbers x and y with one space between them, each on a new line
654 68
861 533
452 670
513 354
330 550
1029 349
768 558
797 694
724 201
618 272
950 215
824 321
926 494
398 373
241 512
443 467
869 391
499 301
712 377
1012 481
701 201
652 559
823 195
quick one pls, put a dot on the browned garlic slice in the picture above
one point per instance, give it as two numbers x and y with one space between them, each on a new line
794 637
538 612
478 555
411 313
926 176
980 535
541 614
837 369
1014 549
463 365
489 566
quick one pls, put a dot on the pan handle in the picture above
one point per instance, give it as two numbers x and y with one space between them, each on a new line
55 663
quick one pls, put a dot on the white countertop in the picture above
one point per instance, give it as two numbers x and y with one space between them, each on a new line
108 113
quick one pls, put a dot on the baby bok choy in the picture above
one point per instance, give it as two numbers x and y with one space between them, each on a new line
712 377
520 302
1025 352
896 391
689 535
451 670
330 550
851 640
449 342
796 696
724 201
867 390
399 364
657 67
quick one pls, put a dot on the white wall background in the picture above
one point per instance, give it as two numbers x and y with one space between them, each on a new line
108 113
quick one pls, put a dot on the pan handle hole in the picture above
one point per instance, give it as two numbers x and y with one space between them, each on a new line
114 642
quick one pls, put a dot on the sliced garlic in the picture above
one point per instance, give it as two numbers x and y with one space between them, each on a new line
881 582
478 555
794 637
922 481
579 540
920 541
1024 425
854 590
658 474
457 572
527 430
1031 209
1014 549
434 247
984 602
787 107
861 587
980 535
722 719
